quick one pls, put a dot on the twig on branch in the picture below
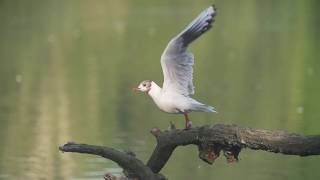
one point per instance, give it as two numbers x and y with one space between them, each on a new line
211 140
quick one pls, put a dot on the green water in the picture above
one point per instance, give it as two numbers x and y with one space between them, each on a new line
67 69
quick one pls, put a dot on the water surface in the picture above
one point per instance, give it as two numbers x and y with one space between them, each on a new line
67 69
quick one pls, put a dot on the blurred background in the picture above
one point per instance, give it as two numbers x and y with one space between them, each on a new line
67 69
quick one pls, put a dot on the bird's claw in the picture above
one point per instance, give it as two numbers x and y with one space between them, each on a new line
188 125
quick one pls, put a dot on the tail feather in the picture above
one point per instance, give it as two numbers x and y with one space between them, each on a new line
205 108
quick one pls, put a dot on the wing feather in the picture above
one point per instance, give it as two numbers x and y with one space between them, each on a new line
176 62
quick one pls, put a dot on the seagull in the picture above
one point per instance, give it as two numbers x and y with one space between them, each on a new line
176 62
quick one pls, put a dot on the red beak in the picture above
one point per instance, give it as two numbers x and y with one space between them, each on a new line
136 90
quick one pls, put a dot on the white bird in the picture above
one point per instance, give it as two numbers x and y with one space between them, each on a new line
177 64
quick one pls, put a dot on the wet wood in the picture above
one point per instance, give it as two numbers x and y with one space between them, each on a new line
212 140
133 167
229 139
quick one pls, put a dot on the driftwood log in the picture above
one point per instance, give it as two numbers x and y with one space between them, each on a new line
210 139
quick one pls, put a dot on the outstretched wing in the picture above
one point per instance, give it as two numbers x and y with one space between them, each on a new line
176 62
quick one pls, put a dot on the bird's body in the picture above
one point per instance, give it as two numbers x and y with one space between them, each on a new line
175 103
176 61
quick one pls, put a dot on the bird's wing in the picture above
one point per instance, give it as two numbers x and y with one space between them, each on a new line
176 62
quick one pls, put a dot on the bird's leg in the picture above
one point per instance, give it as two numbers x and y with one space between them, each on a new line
188 123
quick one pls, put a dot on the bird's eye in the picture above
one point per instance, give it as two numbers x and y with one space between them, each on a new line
143 85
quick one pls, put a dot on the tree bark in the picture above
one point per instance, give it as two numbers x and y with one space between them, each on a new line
133 167
211 140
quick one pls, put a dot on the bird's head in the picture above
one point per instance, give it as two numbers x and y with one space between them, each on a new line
144 86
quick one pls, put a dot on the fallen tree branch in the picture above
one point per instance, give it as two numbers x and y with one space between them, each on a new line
133 167
211 140
230 139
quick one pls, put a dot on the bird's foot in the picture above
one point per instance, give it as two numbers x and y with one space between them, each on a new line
188 125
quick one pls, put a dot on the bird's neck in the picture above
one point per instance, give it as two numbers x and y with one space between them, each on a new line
154 91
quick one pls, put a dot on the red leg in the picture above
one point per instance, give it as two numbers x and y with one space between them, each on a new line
188 122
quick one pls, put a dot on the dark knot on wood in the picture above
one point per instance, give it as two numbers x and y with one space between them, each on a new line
209 153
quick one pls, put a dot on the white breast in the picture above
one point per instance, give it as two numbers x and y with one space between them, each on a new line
167 102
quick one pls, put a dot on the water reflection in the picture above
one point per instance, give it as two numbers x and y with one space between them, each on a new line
67 70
